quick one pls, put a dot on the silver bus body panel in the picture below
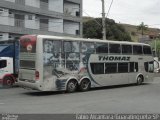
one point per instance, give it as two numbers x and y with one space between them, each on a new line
54 74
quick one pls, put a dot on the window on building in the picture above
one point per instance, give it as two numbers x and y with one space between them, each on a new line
77 13
44 4
20 2
114 48
77 32
44 24
30 17
126 49
45 1
97 68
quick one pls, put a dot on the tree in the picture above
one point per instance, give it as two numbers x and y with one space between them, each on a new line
142 27
113 31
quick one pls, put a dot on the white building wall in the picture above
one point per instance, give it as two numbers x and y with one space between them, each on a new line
71 27
56 5
4 36
71 9
33 3
10 0
11 21
32 24
4 16
56 25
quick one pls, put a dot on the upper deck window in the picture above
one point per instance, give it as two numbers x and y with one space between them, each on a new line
126 49
137 49
114 48
102 48
147 50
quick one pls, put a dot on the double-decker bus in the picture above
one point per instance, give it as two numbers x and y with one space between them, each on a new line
52 63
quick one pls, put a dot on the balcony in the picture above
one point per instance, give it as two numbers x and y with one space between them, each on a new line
35 10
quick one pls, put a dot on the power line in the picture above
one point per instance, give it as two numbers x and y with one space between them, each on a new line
93 19
109 8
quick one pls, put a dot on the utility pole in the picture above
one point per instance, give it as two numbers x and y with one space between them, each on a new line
103 21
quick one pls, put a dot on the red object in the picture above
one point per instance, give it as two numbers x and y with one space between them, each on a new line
28 40
37 75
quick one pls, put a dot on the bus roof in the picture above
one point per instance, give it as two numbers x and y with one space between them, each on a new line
88 40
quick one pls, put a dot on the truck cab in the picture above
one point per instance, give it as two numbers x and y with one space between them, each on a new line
7 76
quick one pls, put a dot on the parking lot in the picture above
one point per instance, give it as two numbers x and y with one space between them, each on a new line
114 99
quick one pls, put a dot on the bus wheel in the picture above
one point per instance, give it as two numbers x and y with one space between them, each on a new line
85 85
71 86
139 80
8 81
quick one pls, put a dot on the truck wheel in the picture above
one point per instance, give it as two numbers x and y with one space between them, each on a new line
8 81
71 86
85 85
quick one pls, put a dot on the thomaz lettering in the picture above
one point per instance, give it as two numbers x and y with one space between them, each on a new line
114 58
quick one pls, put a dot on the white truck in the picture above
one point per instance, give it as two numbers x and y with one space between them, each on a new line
9 52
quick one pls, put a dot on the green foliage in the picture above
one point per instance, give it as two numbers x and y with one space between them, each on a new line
133 33
114 31
142 27
157 44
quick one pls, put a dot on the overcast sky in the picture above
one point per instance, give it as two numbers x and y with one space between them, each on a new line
126 11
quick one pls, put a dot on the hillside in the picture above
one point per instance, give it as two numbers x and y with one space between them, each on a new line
132 29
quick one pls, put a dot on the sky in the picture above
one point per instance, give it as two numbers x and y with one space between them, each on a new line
126 11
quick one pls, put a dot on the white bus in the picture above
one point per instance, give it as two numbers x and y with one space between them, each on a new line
51 63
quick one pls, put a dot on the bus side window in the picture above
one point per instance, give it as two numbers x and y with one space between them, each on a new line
122 67
97 68
137 50
147 50
114 48
110 68
136 67
133 67
102 48
126 49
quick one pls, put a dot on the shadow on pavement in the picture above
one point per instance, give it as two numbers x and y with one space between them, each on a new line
118 86
43 93
92 89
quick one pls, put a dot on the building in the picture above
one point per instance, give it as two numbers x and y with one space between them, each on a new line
51 17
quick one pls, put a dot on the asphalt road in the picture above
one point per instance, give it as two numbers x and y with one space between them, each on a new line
119 99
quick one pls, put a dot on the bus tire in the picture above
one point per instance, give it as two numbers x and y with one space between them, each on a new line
139 80
85 85
72 86
8 81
